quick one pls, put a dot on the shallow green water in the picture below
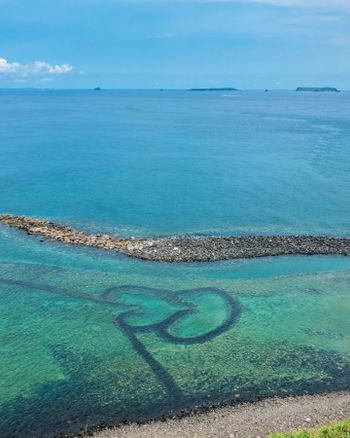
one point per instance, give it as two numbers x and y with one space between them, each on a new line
88 338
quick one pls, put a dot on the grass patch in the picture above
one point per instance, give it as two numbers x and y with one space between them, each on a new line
341 429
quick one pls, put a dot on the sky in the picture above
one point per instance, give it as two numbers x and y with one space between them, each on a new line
249 44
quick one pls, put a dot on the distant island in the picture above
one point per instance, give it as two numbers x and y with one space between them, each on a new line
97 89
213 89
319 89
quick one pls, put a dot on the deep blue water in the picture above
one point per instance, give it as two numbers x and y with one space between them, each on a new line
178 162
126 339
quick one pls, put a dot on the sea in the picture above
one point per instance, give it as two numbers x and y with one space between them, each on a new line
90 338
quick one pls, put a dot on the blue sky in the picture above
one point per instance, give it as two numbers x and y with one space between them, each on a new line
174 43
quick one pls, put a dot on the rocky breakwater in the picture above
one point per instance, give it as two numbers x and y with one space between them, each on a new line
185 249
191 249
62 233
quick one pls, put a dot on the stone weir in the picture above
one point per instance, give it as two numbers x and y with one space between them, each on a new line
184 249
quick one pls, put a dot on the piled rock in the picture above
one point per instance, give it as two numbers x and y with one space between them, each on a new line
191 249
62 233
185 249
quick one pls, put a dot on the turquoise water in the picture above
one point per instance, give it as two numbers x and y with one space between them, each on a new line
178 162
88 337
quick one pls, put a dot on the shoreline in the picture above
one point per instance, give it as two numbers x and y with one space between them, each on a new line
184 249
254 420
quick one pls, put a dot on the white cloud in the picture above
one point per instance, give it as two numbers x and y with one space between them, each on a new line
41 80
306 4
36 68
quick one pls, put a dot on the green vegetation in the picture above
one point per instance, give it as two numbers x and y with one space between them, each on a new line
340 429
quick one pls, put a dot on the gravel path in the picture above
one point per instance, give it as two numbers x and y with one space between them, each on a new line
247 420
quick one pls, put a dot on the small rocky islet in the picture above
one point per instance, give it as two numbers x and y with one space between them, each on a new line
184 249
318 89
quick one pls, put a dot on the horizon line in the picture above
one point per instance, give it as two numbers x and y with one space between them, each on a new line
160 89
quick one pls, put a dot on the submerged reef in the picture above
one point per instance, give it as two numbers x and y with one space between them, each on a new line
185 249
